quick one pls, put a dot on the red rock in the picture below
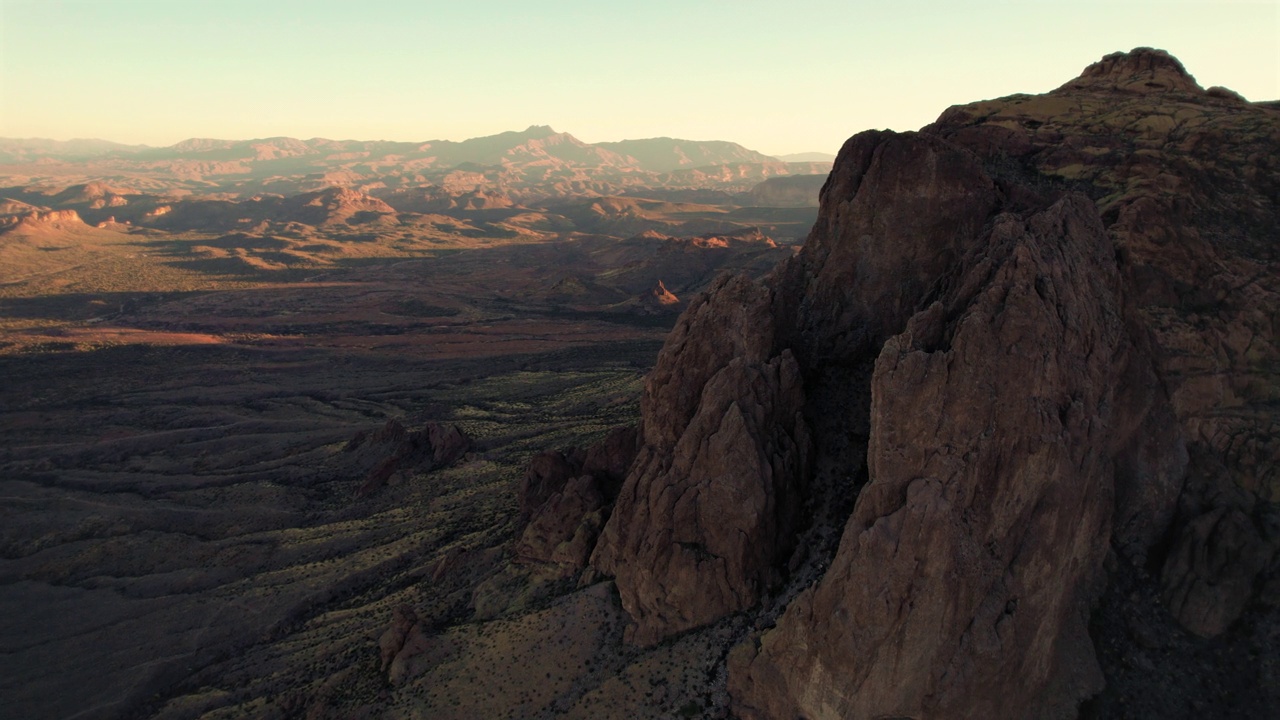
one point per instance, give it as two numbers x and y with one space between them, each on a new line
448 443
658 297
566 497
609 459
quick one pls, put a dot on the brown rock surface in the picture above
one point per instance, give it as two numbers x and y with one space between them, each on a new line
566 496
710 504
1185 181
392 641
1142 70
1070 301
546 475
609 459
962 583
1211 571
564 529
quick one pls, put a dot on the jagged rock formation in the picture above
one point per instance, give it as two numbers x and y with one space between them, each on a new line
711 502
1186 182
335 205
658 299
566 496
393 449
962 584
1062 309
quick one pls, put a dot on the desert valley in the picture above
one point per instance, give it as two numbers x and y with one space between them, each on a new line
975 421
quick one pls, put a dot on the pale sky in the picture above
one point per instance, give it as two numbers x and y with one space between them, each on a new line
778 77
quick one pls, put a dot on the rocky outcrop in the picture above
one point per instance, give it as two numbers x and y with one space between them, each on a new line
1210 574
711 502
335 205
1144 70
658 299
566 496
40 221
546 475
392 640
1186 184
394 449
564 529
1052 304
962 584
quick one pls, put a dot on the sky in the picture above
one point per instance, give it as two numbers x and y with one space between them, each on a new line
778 77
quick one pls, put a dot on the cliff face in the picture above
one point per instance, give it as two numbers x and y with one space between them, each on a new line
1037 341
711 502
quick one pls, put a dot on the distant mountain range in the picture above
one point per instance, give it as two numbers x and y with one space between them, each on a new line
661 154
538 160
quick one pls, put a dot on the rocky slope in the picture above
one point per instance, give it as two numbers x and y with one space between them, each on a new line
1036 341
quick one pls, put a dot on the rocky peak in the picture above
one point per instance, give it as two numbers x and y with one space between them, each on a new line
1032 376
539 131
1142 70
659 295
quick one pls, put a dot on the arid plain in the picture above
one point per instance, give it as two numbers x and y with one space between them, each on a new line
191 359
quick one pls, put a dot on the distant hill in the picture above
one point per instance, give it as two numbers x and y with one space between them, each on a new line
653 154
19 150
665 154
535 162
808 157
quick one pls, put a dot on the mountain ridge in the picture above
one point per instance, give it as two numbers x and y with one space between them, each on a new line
713 151
537 161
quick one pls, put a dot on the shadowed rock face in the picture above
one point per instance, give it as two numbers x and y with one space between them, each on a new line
566 497
711 502
961 585
1185 181
394 448
1053 302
